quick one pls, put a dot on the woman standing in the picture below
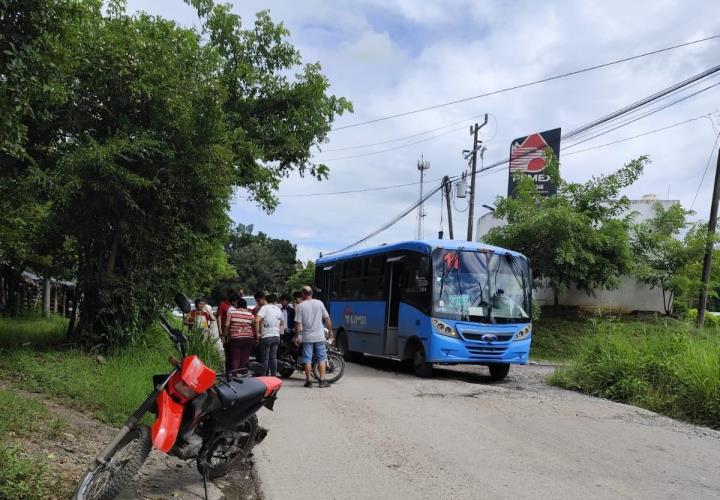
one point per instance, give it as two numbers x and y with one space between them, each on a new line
269 325
239 332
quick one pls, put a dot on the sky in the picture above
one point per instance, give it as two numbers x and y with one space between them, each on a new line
393 56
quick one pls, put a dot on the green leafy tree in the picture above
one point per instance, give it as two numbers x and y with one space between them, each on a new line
578 236
301 277
260 262
155 126
664 259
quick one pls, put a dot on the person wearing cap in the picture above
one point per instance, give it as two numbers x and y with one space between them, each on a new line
311 319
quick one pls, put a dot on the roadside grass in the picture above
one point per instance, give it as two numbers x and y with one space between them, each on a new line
110 386
32 329
668 367
23 475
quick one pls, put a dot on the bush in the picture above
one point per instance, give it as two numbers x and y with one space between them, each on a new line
675 371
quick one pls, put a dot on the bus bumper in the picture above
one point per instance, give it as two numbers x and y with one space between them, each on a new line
450 350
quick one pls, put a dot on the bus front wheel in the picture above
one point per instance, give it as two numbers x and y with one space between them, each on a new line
500 371
420 365
342 347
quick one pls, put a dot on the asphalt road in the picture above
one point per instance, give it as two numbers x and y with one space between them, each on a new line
380 433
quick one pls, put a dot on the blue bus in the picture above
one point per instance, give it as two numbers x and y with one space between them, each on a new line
430 302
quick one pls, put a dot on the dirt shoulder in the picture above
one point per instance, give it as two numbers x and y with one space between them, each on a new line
69 451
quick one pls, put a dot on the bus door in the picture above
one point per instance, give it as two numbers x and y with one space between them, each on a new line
394 294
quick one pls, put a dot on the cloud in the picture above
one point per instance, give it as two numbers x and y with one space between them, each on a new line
391 56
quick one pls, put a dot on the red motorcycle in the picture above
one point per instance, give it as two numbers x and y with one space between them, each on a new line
200 415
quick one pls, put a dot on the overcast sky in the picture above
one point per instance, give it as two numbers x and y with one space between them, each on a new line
392 56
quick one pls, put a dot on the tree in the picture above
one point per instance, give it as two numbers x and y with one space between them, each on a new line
301 277
577 237
665 260
155 127
260 262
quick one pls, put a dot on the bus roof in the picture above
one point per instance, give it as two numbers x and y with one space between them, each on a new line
423 246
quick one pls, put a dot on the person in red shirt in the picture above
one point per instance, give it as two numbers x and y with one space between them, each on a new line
240 334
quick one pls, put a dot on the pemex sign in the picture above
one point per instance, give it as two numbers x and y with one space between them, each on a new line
527 155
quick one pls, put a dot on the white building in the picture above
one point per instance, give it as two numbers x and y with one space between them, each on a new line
628 297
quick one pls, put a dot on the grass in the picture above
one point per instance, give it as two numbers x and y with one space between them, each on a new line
32 330
111 387
23 476
669 367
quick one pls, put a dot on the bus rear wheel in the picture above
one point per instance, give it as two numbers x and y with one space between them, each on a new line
420 365
499 371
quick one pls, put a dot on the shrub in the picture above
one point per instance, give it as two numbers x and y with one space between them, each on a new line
675 371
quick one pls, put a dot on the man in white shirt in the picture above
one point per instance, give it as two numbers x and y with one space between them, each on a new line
269 325
310 316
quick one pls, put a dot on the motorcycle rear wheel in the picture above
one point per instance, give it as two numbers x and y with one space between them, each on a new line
334 368
105 482
223 451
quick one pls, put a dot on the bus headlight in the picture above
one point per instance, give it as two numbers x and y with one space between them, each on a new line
524 333
444 329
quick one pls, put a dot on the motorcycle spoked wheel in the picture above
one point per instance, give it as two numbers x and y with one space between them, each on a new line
334 368
226 448
104 482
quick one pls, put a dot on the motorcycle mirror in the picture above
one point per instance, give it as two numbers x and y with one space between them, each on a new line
256 368
182 302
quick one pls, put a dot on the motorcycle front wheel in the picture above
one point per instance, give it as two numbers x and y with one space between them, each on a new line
334 368
105 482
226 448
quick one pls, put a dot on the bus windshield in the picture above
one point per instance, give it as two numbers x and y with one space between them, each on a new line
480 286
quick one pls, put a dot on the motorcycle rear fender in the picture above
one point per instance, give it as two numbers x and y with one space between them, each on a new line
272 384
165 429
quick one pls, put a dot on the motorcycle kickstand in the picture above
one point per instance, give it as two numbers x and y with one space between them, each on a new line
205 481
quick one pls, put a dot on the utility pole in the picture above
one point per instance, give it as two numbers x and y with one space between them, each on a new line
422 166
712 224
473 152
448 189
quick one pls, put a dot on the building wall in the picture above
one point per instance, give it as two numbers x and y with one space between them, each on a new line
628 297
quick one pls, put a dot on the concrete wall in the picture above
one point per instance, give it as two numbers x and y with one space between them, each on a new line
630 295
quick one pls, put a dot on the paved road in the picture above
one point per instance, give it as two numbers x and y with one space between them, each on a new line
383 434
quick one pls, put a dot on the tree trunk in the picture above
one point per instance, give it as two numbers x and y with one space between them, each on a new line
73 314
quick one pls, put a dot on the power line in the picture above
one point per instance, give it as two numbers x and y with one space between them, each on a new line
380 188
418 134
392 222
528 84
712 153
637 136
363 155
580 130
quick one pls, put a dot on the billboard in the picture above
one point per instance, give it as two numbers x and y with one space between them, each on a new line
527 156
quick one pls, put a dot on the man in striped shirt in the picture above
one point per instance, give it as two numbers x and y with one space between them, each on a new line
240 334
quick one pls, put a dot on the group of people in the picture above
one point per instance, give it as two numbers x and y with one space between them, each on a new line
236 330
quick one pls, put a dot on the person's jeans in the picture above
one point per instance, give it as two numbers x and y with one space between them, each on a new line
240 352
268 354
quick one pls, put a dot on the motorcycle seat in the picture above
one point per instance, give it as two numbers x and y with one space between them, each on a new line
237 392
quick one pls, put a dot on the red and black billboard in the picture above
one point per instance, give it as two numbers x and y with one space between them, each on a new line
527 155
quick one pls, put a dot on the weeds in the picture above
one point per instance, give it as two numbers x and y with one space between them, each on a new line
669 368
21 477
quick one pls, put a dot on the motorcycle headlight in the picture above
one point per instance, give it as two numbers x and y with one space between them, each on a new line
524 333
444 329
